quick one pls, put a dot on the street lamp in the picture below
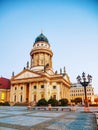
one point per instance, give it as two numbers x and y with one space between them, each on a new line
84 81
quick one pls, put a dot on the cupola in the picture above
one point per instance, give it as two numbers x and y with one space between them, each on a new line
41 53
41 37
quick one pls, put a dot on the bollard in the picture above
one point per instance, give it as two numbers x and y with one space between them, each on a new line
86 109
29 107
49 107
73 108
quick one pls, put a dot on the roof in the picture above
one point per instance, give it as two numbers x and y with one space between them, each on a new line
4 83
41 37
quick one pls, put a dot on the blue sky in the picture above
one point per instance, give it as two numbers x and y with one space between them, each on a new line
71 27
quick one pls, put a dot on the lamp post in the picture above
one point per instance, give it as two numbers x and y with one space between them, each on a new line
84 81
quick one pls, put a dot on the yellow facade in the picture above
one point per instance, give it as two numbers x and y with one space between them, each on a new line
4 95
38 80
77 91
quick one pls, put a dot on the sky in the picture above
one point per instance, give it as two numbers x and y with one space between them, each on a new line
71 26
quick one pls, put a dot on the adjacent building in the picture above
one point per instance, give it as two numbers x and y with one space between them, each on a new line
4 90
38 80
77 91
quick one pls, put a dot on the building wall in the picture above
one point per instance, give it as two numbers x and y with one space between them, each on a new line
4 89
4 95
35 91
77 91
28 87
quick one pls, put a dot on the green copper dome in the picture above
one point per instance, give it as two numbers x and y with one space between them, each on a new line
41 37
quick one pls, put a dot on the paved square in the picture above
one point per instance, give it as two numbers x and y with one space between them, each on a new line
46 114
3 115
15 112
23 120
19 118
4 128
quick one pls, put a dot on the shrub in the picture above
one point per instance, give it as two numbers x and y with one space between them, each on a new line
53 102
78 100
4 104
42 102
63 102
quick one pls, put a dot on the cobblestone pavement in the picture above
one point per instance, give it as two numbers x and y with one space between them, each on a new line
19 118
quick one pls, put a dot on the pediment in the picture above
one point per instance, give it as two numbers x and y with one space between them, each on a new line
66 77
50 72
26 74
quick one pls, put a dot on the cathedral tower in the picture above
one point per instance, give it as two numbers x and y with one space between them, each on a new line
41 54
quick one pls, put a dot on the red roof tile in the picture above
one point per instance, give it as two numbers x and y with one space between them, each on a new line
5 83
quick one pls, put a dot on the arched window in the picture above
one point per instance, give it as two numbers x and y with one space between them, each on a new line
42 95
54 96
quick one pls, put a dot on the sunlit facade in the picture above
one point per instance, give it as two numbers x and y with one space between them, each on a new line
77 91
38 80
4 90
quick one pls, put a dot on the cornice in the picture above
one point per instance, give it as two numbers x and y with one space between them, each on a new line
41 50
42 78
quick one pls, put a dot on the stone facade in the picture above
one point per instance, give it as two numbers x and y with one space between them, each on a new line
38 80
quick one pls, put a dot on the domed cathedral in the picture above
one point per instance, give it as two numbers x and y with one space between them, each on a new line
41 54
38 80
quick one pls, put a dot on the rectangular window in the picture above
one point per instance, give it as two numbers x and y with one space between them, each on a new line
34 97
54 87
35 87
20 98
21 88
42 86
15 98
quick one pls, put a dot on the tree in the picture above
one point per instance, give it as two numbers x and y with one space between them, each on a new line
63 102
42 102
72 101
53 102
78 100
